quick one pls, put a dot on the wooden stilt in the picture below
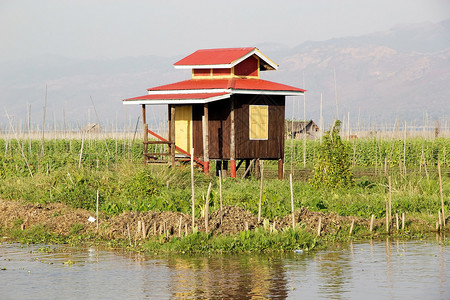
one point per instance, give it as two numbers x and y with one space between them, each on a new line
280 169
205 128
232 142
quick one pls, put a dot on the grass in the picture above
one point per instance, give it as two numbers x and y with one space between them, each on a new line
124 184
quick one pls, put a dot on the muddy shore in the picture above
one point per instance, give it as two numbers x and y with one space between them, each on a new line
61 219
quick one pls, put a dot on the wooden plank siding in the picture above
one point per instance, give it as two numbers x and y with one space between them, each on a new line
220 124
273 147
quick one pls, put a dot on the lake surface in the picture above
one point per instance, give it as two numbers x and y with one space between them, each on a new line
370 270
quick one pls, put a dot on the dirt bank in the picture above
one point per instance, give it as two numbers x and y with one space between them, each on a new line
61 219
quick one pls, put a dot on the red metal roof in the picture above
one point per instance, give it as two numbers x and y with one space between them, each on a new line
223 58
168 98
233 84
214 56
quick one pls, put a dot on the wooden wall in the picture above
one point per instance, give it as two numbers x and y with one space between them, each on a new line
220 124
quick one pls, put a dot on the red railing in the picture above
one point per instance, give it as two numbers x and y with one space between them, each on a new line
202 163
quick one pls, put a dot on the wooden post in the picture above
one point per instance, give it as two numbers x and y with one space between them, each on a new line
207 209
257 168
292 201
179 227
280 169
144 115
232 143
172 135
261 192
192 188
205 128
145 142
442 197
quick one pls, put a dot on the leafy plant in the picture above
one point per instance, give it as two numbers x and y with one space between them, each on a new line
333 166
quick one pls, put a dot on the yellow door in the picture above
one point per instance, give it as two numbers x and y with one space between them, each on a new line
183 127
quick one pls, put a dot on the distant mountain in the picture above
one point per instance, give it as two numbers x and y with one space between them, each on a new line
400 73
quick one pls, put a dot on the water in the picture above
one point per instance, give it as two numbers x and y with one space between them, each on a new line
369 270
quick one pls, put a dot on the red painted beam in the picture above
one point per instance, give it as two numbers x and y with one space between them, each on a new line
176 147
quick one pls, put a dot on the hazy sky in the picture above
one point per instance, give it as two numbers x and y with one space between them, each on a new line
117 28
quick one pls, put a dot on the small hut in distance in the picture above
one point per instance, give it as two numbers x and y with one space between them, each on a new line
297 129
225 112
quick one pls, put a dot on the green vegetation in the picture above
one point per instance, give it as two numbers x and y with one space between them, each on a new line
258 240
332 167
114 169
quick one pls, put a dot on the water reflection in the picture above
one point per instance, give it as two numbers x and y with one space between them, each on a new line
230 276
372 270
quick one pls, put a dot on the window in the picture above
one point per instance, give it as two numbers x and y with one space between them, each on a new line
259 122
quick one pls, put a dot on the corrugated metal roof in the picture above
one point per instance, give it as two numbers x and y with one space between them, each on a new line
223 58
227 84
177 98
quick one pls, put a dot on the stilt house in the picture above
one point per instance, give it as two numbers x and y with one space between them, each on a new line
225 112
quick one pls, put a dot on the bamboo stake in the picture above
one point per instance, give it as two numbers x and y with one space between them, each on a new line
43 120
371 222
261 191
207 209
396 221
387 217
192 187
144 230
129 236
403 221
96 209
440 220
319 228
292 201
390 198
440 192
81 151
220 190
351 227
139 228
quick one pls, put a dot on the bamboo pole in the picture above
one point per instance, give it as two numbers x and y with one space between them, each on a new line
96 210
207 209
440 192
220 190
144 230
371 223
351 227
192 188
292 201
390 198
319 227
397 224
440 220
403 221
261 191
81 151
